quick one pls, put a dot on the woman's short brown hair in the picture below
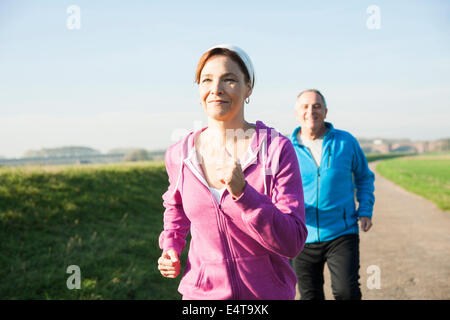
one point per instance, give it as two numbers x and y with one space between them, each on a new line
221 52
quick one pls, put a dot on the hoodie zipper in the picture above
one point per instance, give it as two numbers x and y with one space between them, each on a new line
225 243
231 267
229 262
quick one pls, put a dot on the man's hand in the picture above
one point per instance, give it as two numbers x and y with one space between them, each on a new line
169 264
365 223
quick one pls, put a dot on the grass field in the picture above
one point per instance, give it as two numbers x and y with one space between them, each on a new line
426 176
105 219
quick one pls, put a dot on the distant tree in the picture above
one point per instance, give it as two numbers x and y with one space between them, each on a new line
67 151
137 155
121 150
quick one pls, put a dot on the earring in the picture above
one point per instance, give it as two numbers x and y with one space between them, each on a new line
247 100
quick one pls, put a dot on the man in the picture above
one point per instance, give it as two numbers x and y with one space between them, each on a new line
332 166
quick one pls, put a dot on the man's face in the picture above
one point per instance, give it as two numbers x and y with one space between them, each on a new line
310 111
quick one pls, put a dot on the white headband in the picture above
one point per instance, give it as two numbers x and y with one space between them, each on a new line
244 57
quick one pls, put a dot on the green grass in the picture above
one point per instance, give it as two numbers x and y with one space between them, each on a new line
104 218
107 219
426 176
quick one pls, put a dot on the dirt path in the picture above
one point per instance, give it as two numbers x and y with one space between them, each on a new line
410 244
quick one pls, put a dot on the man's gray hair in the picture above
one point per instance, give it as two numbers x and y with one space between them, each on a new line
315 91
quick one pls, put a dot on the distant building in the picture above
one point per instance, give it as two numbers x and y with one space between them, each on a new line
403 145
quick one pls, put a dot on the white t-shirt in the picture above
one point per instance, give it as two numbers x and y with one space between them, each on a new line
217 193
314 146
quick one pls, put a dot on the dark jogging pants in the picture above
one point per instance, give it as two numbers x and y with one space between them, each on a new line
342 257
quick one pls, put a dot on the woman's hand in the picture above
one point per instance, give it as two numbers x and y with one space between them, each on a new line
231 175
227 168
169 264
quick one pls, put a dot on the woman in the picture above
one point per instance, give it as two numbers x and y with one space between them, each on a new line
246 218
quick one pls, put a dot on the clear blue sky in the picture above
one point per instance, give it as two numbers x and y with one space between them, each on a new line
125 78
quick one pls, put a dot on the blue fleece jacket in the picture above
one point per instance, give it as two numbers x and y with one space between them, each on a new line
329 189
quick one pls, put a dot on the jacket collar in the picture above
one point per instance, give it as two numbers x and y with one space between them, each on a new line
330 133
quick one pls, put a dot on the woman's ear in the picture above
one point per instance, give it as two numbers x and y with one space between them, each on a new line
250 90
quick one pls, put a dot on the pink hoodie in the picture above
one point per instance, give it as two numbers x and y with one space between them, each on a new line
240 248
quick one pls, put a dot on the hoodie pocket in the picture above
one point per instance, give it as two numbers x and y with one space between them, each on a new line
260 279
213 276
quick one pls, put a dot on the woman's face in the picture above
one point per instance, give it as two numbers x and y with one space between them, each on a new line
222 88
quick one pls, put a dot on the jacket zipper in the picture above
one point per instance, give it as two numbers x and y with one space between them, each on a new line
329 154
345 220
317 206
318 183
